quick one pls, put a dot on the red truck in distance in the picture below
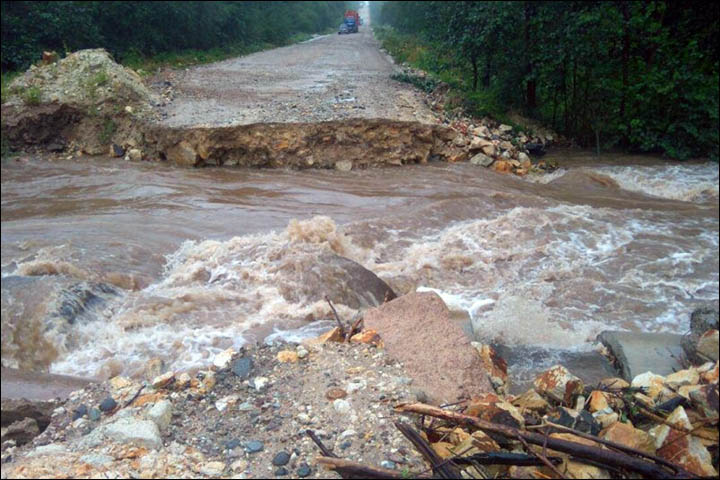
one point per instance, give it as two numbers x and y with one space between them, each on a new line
352 21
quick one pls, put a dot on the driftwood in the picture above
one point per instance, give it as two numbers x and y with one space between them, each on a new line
439 467
337 319
577 450
349 469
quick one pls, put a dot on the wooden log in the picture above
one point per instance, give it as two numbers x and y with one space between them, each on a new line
350 469
578 450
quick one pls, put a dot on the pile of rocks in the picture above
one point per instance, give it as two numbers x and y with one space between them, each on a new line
489 143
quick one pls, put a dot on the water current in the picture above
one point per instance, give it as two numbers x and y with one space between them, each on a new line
108 264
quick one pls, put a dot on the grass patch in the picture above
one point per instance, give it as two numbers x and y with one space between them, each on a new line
31 96
7 78
434 59
107 131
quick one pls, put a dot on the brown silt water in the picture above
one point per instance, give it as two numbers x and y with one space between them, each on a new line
107 264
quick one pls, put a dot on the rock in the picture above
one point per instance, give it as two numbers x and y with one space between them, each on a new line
301 352
79 412
239 466
491 408
502 166
678 379
304 470
342 406
128 109
334 335
711 375
704 319
242 367
223 359
108 404
94 414
182 381
116 150
287 356
524 160
282 458
531 401
128 430
581 420
367 336
161 414
482 160
183 154
212 469
253 446
259 383
49 57
615 384
482 131
606 417
626 434
706 399
21 431
598 400
135 154
582 470
443 449
223 403
163 380
387 464
281 472
643 352
97 459
344 165
535 148
495 366
505 128
421 322
558 384
335 393
490 150
653 386
675 446
707 346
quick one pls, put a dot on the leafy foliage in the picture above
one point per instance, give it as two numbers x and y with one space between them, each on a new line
640 75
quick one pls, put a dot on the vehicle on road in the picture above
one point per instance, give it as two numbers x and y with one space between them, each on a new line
352 20
343 29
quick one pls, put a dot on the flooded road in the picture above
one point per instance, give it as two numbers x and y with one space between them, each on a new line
107 264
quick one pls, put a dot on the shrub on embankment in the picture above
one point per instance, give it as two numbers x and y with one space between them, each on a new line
133 30
638 75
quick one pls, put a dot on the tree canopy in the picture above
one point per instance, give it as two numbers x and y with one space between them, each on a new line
642 75
149 28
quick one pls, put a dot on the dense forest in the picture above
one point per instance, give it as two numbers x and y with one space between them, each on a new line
148 28
637 75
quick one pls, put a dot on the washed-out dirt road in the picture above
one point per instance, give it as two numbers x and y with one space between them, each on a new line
329 78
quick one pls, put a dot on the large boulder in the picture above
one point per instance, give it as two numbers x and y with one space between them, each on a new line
417 330
702 320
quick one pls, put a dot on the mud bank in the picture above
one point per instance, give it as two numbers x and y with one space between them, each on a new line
344 145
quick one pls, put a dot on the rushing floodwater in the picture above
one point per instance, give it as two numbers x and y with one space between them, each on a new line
180 264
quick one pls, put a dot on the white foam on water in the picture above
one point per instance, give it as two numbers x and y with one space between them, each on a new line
691 183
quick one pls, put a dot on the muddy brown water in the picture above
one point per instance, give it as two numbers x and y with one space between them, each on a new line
106 263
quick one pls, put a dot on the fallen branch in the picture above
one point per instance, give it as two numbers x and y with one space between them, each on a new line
325 451
578 450
543 459
337 319
439 467
349 469
623 448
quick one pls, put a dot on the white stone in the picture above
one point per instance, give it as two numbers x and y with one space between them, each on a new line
260 383
212 469
223 403
129 109
143 433
223 358
161 414
134 154
344 165
342 406
301 352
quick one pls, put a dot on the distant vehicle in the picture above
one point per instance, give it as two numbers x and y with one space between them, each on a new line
352 20
343 29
